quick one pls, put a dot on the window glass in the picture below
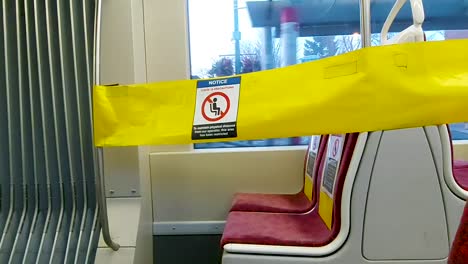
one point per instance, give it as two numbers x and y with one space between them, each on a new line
225 41
221 34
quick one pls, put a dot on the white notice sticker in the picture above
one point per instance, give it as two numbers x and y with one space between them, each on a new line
216 108
332 163
312 155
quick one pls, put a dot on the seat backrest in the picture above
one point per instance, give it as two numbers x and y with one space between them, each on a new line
332 174
459 167
314 155
459 250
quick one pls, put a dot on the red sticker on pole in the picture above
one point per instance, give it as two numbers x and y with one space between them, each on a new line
336 145
216 108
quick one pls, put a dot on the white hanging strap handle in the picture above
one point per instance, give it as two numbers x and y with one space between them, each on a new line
414 31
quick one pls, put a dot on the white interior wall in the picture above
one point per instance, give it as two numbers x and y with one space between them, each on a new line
199 185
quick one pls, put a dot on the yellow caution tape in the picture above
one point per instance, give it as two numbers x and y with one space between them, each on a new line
377 88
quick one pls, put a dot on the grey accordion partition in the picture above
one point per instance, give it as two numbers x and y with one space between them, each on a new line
48 204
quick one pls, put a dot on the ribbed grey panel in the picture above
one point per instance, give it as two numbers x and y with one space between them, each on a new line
4 142
54 194
14 130
48 209
26 117
91 228
39 192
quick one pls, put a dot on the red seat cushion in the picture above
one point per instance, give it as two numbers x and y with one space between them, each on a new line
459 167
276 229
274 203
291 229
460 164
459 251
460 173
278 203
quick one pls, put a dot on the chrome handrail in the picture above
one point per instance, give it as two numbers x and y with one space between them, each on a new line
99 163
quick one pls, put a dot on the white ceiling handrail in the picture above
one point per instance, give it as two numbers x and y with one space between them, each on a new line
412 33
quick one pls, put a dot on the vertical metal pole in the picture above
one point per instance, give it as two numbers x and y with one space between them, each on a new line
289 24
237 37
289 34
365 23
268 62
99 168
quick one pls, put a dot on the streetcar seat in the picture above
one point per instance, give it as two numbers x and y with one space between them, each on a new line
273 203
459 250
459 167
300 202
460 164
460 173
309 229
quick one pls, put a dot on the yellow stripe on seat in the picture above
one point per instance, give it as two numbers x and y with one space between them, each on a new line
308 186
326 209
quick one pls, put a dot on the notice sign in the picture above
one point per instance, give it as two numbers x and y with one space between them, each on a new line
333 158
216 106
313 151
